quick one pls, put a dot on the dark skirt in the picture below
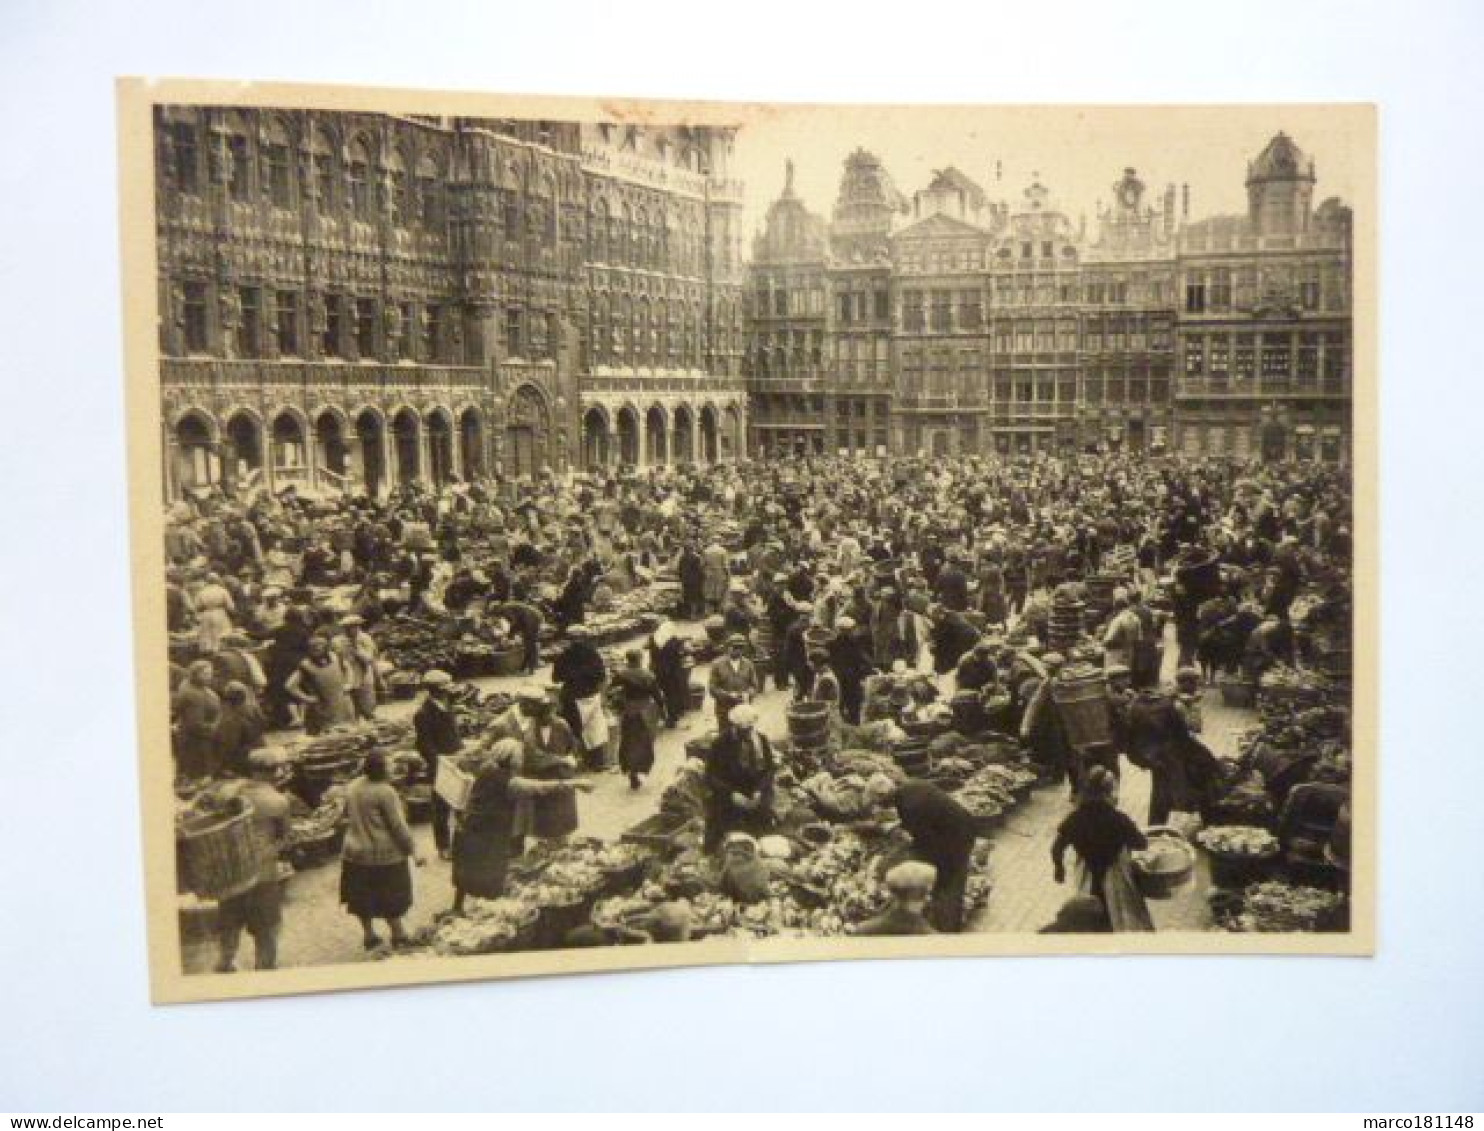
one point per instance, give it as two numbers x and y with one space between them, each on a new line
636 742
481 859
376 891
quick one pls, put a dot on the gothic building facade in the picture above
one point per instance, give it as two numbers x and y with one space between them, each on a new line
953 323
357 300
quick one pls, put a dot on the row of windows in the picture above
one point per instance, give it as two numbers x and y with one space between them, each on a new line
1134 334
354 184
330 180
948 260
1223 289
1302 357
1240 441
256 322
852 306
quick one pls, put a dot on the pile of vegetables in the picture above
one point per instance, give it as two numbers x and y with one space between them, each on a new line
1242 841
842 798
1281 677
1274 906
320 822
415 644
476 711
865 763
992 790
488 926
549 876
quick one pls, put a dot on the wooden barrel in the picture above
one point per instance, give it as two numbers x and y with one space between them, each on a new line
1083 706
809 724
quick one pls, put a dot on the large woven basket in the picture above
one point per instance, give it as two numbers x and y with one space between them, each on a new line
219 856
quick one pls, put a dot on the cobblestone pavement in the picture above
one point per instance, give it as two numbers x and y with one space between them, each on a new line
318 931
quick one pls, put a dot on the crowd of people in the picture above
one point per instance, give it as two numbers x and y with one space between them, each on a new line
817 575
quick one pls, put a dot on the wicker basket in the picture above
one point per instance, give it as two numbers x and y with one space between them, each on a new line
220 856
508 660
1083 707
1163 884
1233 870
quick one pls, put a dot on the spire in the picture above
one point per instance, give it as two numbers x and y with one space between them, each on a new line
788 178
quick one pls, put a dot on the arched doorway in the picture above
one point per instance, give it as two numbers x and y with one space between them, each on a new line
242 455
628 436
440 447
290 453
371 439
684 435
655 435
526 431
407 443
196 461
708 434
471 443
595 439
331 453
732 442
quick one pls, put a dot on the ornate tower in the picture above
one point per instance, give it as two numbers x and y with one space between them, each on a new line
1280 189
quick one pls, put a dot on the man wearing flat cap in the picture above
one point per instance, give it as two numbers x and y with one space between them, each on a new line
739 779
910 885
360 658
733 679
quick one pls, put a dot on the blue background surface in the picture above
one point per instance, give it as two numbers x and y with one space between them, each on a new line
1401 1032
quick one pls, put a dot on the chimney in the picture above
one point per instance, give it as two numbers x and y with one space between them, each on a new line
1185 202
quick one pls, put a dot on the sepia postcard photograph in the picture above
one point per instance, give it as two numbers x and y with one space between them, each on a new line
580 534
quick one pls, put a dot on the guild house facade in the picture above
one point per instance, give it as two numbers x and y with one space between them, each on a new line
352 301
949 322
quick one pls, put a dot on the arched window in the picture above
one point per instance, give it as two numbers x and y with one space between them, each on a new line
549 209
643 333
397 190
430 194
277 165
623 317
641 238
598 234
232 154
325 168
601 344
358 178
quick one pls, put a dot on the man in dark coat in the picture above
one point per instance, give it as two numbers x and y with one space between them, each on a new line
943 835
692 583
740 769
436 733
850 659
667 660
1183 771
953 586
525 622
582 673
953 635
